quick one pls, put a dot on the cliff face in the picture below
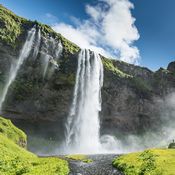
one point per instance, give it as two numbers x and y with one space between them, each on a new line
39 101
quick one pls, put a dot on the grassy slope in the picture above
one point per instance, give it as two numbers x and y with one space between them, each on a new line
13 133
15 160
109 65
10 26
149 162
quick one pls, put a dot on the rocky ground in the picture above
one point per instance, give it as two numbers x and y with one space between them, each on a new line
101 165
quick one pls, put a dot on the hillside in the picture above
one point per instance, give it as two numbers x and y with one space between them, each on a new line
152 162
133 96
14 159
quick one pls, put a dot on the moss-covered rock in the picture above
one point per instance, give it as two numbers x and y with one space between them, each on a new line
12 132
10 26
79 157
69 47
171 145
109 66
149 162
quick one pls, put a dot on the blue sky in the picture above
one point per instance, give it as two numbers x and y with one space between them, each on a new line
154 23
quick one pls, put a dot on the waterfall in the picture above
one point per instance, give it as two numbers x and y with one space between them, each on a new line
37 45
83 125
50 53
16 66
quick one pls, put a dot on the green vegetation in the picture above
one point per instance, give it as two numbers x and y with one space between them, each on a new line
141 86
10 26
68 46
13 133
15 160
67 78
149 162
109 65
80 157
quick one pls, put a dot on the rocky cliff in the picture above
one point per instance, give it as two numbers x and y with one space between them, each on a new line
39 103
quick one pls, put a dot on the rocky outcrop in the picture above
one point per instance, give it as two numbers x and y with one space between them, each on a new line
40 104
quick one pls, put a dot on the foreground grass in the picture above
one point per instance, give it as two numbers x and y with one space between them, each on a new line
13 133
149 162
15 160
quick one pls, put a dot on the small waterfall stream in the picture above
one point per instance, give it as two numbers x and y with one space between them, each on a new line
37 44
16 66
82 128
50 53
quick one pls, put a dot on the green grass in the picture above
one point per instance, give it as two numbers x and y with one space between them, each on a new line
13 133
149 162
79 157
15 160
10 26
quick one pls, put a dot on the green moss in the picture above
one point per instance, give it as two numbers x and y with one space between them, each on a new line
69 46
23 88
109 65
12 132
10 26
80 157
141 86
15 160
149 162
67 78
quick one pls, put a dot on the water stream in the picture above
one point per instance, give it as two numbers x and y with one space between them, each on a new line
25 51
50 53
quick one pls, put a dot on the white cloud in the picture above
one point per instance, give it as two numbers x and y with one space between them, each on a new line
109 30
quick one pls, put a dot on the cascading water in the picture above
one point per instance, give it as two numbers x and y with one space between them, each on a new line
50 53
82 128
37 45
16 66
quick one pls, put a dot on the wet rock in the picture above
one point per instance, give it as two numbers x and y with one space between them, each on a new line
101 165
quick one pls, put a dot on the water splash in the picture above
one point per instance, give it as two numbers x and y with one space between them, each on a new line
82 128
16 66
